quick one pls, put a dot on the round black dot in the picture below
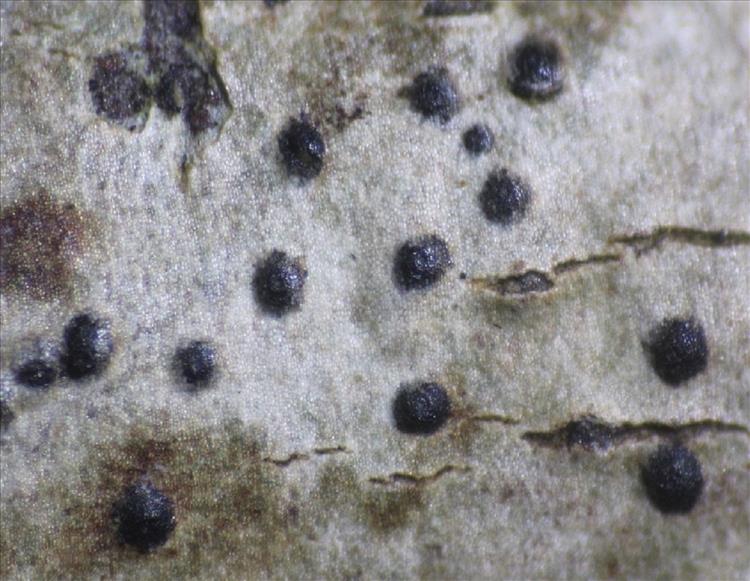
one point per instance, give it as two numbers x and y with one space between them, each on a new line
433 94
279 283
504 197
536 70
422 262
678 350
196 362
478 139
302 149
87 345
673 479
36 373
145 517
421 409
118 92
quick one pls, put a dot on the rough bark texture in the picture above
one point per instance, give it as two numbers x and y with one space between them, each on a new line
288 464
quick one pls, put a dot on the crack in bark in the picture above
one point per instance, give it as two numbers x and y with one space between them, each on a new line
536 281
645 241
301 456
592 433
418 479
330 450
531 281
576 263
493 418
65 53
293 457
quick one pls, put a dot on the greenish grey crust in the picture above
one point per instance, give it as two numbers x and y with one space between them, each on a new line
289 465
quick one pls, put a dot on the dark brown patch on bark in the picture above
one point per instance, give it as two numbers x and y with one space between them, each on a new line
40 242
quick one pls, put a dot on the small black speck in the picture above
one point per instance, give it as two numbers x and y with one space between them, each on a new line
434 95
36 373
589 433
478 139
504 197
197 362
302 149
536 69
279 283
421 409
422 262
274 3
144 517
118 93
678 350
673 479
532 281
88 346
462 276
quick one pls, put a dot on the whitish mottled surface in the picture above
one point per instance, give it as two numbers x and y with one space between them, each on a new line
651 130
